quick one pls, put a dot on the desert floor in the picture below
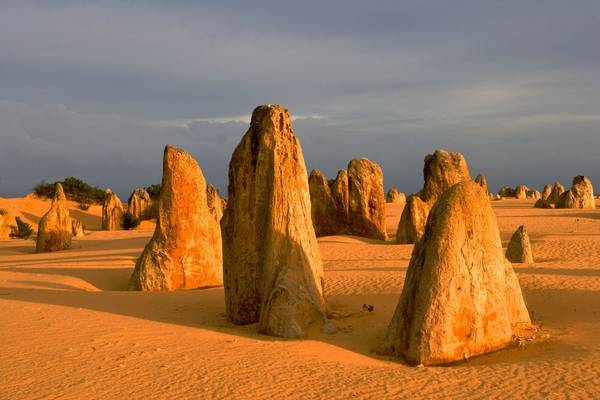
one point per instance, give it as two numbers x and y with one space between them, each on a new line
70 330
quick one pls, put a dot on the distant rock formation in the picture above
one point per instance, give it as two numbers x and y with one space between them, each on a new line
546 192
329 217
77 228
55 230
112 212
519 247
481 180
179 255
557 190
138 204
521 192
442 170
412 221
272 267
507 191
367 199
395 196
341 195
533 194
216 207
580 195
460 297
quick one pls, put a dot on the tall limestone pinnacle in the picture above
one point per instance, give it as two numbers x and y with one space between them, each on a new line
55 227
271 261
182 253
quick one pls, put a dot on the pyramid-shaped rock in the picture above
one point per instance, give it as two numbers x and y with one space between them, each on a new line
460 296
55 228
367 199
112 211
519 247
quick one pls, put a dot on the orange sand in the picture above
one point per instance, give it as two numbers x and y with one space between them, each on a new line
68 330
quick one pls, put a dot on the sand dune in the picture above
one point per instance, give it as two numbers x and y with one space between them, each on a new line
70 331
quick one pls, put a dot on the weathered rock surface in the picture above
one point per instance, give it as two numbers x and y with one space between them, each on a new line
580 195
481 180
138 204
77 228
272 266
112 212
441 171
55 229
329 216
521 192
519 247
216 207
179 254
341 195
395 196
367 199
557 190
412 221
546 192
533 194
460 296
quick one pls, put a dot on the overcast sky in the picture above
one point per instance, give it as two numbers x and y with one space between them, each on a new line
96 89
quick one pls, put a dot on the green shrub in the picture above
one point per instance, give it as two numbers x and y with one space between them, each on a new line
75 189
23 230
84 205
153 190
129 221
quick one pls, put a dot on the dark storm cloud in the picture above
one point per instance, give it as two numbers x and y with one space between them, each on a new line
96 89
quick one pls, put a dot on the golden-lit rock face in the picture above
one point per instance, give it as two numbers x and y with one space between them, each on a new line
180 254
519 247
112 212
77 228
412 221
138 204
272 266
395 196
481 180
580 195
216 206
55 227
367 199
460 297
441 171
329 203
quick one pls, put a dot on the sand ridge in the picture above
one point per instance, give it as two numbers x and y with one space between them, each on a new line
69 330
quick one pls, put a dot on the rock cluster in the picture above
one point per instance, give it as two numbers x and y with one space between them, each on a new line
521 192
580 195
55 228
271 262
519 247
395 196
367 201
180 254
353 203
138 204
112 212
461 296
441 171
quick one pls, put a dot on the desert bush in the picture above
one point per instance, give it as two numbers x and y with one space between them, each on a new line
84 205
23 229
129 221
153 190
75 189
3 211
